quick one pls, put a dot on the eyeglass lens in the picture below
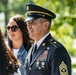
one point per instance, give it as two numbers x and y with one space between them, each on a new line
14 28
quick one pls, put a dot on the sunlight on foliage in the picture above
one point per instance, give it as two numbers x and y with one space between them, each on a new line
63 28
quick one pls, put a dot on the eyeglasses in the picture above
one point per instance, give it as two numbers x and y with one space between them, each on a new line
14 28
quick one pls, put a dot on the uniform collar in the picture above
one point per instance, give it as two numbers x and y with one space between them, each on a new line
41 40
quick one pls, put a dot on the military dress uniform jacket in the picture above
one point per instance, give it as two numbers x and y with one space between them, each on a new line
51 58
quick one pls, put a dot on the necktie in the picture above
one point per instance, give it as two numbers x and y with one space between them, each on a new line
33 50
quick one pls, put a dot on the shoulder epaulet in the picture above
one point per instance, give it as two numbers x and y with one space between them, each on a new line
53 42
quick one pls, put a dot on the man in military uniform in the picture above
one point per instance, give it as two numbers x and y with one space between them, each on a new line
50 56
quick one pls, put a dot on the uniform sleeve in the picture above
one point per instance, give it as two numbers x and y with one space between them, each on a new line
60 62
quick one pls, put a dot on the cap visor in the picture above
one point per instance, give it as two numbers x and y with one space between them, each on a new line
29 19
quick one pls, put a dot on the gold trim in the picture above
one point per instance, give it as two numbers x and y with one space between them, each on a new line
39 12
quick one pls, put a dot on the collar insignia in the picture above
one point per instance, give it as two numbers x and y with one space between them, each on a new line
43 44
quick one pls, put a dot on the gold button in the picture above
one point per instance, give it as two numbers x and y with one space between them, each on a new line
54 42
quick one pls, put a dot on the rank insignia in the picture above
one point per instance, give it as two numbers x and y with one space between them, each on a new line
63 69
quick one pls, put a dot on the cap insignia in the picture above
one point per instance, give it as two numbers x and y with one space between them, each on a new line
27 7
63 69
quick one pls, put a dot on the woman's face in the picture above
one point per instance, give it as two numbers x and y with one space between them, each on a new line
13 31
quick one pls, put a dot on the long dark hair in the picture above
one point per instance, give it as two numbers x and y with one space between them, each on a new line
8 62
19 19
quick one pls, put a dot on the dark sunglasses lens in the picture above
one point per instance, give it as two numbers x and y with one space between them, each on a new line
8 28
14 28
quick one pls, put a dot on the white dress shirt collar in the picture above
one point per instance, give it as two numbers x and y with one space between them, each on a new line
41 40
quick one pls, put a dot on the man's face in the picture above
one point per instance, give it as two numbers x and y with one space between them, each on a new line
36 29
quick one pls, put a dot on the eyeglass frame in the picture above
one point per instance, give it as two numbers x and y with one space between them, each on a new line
13 28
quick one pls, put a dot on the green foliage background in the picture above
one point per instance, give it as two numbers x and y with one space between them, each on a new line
63 27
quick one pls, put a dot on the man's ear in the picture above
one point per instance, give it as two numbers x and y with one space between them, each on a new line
46 24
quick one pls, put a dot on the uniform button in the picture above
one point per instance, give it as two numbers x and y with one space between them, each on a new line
48 48
30 68
54 42
37 64
39 68
50 39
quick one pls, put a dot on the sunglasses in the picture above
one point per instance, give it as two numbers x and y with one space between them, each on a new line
14 28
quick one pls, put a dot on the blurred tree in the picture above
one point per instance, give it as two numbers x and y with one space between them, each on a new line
64 26
4 8
12 7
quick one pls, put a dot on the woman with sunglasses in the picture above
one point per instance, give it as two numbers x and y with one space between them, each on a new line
18 40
